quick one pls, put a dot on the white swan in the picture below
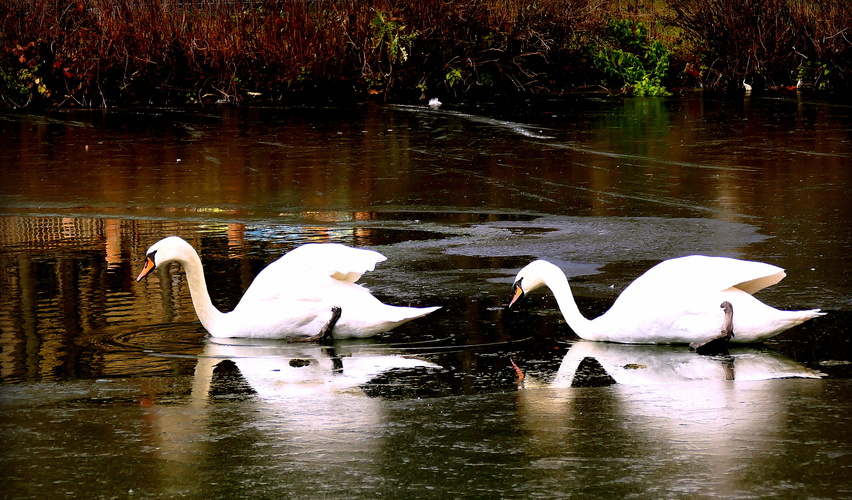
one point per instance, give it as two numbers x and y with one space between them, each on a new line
308 291
676 301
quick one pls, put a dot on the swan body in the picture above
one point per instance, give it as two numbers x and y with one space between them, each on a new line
295 296
676 301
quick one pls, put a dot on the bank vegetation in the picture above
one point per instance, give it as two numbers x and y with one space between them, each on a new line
101 53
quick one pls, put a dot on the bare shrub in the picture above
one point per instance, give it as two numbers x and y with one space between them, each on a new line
767 41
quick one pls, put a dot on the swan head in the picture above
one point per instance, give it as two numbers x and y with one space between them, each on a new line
531 277
164 251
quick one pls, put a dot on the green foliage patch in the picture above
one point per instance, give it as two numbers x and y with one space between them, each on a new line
631 60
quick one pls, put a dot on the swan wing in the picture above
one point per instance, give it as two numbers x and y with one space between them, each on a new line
328 259
307 272
700 274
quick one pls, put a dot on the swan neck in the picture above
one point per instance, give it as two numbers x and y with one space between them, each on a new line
204 308
558 284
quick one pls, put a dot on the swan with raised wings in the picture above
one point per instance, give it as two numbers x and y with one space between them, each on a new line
676 301
310 292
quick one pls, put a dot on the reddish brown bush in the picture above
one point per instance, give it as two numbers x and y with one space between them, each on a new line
97 52
105 52
769 42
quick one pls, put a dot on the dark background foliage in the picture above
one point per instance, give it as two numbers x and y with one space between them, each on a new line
99 53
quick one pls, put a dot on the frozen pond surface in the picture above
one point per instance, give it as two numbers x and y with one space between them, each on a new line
150 437
111 388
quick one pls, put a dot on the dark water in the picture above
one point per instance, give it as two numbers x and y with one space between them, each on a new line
111 388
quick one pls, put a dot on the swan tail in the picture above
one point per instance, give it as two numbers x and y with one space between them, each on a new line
793 318
782 322
391 317
802 316
408 313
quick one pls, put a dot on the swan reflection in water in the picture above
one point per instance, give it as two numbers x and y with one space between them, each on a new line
602 363
668 418
276 370
308 418
306 406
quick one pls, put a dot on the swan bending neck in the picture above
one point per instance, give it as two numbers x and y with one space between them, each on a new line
204 308
568 306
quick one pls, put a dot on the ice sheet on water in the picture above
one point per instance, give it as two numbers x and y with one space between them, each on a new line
495 250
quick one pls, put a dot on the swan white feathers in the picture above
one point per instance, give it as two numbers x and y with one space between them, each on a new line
293 296
676 301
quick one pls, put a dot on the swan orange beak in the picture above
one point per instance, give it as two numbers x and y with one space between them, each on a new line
518 292
149 266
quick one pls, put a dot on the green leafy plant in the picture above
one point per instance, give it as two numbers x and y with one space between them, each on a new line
816 74
392 42
632 60
389 36
453 77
